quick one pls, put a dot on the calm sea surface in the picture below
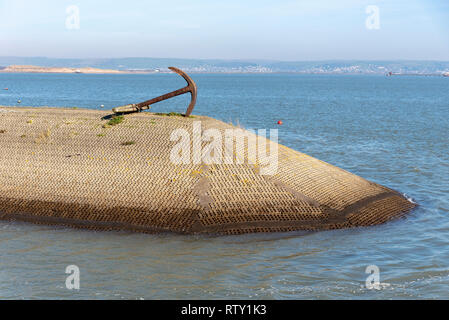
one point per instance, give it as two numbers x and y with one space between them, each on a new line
391 130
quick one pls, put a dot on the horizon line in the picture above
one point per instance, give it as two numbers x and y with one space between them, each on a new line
225 59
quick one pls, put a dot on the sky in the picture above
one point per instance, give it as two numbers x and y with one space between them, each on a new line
290 30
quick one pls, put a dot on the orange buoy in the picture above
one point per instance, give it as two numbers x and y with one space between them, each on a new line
279 122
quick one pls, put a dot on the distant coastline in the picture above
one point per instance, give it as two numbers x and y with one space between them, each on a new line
86 70
95 70
160 65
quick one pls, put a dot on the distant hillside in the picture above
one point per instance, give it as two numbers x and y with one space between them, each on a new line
215 65
41 69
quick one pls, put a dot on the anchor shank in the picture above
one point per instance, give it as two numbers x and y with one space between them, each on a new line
172 94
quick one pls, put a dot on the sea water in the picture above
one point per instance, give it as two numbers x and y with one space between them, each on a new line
391 130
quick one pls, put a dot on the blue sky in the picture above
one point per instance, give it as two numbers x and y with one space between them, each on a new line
229 29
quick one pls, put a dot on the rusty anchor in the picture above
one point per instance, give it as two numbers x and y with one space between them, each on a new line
191 87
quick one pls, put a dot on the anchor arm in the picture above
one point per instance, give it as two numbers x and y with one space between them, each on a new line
192 88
